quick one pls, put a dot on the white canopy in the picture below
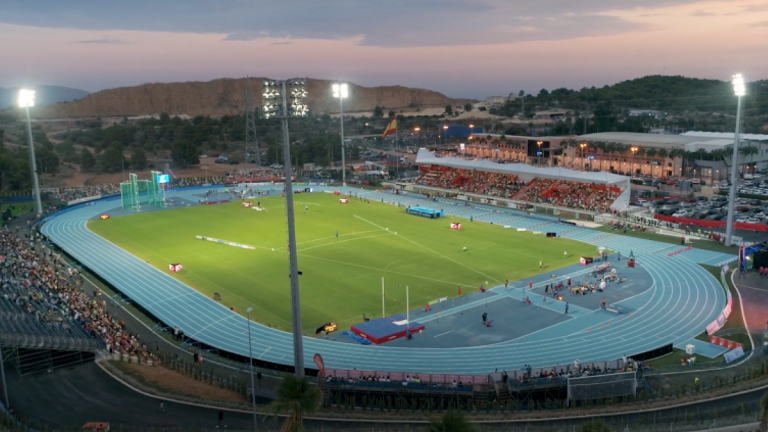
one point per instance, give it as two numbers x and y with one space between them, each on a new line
425 157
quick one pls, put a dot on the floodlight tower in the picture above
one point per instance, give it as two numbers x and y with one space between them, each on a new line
275 103
26 100
340 90
739 90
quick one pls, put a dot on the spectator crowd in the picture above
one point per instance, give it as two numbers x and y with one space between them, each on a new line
42 284
561 193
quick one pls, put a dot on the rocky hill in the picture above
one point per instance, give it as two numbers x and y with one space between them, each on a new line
227 97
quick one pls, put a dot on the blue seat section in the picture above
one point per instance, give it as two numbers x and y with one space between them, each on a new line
683 300
27 322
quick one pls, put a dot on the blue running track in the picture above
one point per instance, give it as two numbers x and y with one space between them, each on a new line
684 298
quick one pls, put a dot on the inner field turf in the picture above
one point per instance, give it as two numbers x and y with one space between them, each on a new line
341 276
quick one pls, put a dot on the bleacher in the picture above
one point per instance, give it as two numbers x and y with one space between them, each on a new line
561 193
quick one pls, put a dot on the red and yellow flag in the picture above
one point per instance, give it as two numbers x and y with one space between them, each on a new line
391 127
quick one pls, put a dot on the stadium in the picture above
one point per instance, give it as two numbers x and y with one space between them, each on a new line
666 298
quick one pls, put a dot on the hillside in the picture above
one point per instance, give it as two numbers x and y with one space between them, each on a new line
223 97
44 95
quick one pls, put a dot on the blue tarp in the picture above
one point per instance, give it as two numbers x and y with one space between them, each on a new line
356 338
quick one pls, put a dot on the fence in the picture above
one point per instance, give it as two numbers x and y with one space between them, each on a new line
602 386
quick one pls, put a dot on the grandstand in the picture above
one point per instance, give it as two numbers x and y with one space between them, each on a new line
518 184
41 327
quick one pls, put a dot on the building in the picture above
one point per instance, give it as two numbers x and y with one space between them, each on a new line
495 102
703 155
658 115
700 155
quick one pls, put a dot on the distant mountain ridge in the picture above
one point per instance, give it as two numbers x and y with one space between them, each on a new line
226 96
44 95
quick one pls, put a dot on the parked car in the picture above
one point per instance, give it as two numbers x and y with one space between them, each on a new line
681 214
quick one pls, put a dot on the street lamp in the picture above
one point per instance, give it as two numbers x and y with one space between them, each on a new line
739 90
583 146
275 103
632 165
538 154
340 91
445 129
26 100
416 130
250 362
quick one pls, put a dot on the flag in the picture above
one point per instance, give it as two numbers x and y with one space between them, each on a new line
391 127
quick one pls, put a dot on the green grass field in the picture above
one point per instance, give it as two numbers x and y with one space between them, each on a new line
341 276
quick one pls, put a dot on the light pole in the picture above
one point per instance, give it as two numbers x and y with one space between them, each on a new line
275 104
445 132
739 90
250 363
26 100
583 146
632 165
340 91
538 153
416 131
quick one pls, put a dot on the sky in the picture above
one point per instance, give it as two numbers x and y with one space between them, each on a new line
463 48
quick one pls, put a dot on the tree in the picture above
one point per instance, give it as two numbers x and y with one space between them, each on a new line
138 159
378 112
87 161
448 110
467 107
184 153
391 113
595 425
451 421
47 161
112 159
296 398
521 93
764 413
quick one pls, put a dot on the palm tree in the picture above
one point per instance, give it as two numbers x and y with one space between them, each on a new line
451 421
296 398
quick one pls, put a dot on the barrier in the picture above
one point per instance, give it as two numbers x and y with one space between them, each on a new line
679 251
725 343
402 376
701 223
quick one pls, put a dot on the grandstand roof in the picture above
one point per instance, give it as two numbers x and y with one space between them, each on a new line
726 135
689 141
425 157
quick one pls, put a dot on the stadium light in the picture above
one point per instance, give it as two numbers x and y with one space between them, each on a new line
284 100
739 89
340 91
632 165
583 146
250 362
538 155
445 128
26 100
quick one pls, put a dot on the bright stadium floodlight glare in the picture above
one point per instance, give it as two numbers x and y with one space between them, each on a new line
340 90
738 85
26 98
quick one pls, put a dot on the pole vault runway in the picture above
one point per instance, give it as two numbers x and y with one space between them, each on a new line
682 300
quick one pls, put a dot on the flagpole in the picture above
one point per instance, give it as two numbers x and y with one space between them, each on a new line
397 154
382 297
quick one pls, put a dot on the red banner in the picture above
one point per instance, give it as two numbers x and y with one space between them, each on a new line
700 223
246 204
320 365
725 343
455 226
343 200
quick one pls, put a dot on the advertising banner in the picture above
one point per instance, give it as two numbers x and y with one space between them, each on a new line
455 226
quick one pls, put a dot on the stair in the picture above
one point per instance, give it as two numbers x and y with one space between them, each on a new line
479 396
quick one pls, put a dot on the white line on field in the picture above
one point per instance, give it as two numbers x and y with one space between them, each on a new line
340 241
441 334
435 252
340 235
